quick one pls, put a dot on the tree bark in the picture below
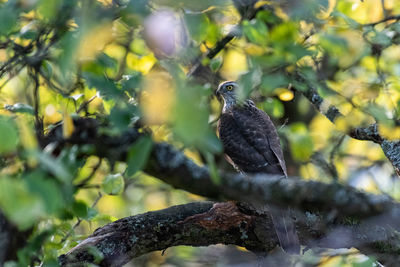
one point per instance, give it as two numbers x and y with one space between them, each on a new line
207 223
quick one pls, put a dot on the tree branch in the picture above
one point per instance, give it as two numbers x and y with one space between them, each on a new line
388 18
11 239
206 223
171 166
337 202
391 149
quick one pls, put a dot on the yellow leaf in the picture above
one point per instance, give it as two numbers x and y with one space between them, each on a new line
160 133
95 41
68 125
259 4
105 2
353 119
3 55
141 63
253 49
325 13
321 130
27 135
234 64
51 115
155 201
194 156
157 98
330 261
388 132
284 94
203 48
308 171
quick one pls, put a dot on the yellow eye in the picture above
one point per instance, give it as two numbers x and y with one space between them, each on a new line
229 87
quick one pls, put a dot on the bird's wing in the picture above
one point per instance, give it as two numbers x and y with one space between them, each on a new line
242 154
259 131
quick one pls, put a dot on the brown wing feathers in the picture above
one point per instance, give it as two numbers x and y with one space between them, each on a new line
252 144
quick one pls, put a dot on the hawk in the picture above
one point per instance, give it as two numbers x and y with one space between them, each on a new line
251 144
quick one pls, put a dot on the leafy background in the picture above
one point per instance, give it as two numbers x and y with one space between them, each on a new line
129 62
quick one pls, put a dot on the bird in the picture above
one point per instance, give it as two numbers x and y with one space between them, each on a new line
251 145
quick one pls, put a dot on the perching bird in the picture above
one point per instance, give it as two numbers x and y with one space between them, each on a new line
251 144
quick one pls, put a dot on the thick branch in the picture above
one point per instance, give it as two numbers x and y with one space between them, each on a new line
11 239
173 167
205 223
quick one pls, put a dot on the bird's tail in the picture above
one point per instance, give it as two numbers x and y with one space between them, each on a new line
285 230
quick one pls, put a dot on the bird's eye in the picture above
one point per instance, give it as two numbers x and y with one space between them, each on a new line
229 87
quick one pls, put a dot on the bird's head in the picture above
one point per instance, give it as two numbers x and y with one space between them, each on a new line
227 90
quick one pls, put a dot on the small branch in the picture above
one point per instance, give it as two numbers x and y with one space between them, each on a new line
92 173
126 45
221 44
390 148
395 17
80 220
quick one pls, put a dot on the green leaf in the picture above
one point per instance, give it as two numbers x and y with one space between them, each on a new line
256 31
191 120
49 8
47 189
22 207
215 178
138 155
284 33
369 262
20 108
121 117
80 209
351 22
8 18
130 83
113 184
271 82
50 263
215 64
54 167
8 135
106 61
107 88
301 143
248 82
333 44
91 213
273 107
197 25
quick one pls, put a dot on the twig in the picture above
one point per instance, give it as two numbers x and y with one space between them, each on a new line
80 220
394 17
36 99
333 153
126 45
85 104
90 176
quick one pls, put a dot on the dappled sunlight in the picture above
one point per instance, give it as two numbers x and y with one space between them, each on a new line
108 109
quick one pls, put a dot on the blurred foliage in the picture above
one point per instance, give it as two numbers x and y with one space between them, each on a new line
124 62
